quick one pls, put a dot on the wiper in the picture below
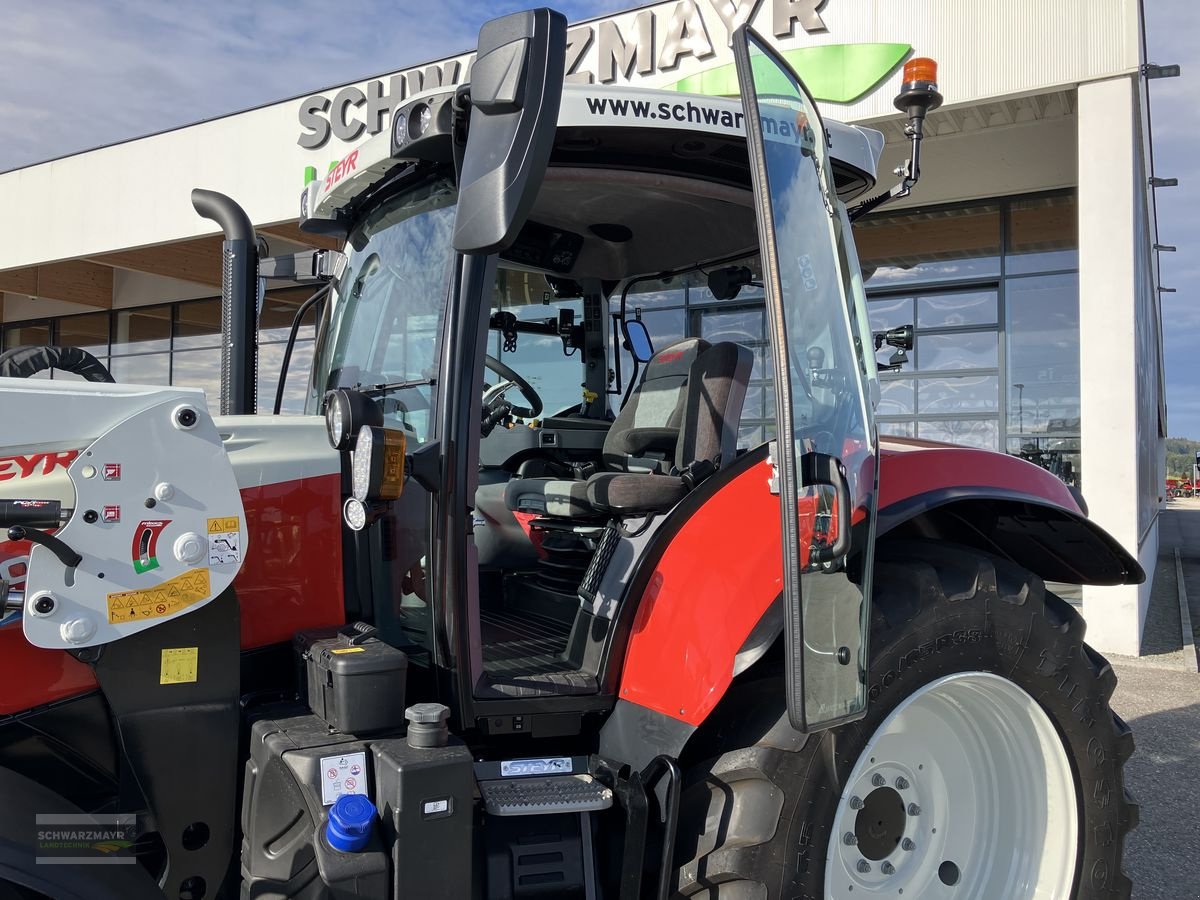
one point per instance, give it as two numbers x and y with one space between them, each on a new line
387 388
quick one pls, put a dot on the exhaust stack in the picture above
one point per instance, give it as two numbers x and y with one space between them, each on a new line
239 307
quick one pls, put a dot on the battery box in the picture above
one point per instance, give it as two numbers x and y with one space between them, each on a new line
355 682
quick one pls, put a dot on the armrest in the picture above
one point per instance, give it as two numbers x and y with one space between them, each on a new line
630 495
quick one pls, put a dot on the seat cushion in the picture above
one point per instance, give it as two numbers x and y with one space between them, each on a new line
549 496
625 495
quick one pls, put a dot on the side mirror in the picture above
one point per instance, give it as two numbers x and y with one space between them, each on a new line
637 339
515 91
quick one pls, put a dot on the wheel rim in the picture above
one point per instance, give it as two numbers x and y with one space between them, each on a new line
965 791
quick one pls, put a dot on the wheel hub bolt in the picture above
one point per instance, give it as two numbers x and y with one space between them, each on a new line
864 866
907 844
902 783
849 839
878 780
856 803
913 809
887 869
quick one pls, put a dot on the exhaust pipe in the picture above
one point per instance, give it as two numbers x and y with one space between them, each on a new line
239 306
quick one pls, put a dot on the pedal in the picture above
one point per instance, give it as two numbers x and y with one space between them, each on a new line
544 796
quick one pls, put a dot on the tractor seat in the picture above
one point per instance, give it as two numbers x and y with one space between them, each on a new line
681 423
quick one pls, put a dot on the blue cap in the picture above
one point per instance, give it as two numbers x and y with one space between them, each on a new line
350 821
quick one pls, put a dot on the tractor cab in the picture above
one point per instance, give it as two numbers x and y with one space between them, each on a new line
554 443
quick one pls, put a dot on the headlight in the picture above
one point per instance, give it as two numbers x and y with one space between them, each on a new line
419 120
377 467
347 411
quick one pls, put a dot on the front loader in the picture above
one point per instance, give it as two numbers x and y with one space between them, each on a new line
530 602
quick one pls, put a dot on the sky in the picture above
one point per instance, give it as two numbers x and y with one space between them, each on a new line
76 74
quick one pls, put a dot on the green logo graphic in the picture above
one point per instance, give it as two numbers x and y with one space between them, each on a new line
836 73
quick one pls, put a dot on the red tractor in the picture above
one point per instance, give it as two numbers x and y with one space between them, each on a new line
646 616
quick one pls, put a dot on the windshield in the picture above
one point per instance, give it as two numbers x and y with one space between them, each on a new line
385 324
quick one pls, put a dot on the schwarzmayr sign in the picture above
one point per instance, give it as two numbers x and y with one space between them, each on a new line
655 41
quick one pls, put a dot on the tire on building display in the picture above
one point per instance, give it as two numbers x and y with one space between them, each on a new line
989 763
22 362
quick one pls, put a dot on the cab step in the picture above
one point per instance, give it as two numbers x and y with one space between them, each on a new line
545 796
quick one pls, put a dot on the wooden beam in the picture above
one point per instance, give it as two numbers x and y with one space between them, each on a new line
198 260
73 281
290 231
19 281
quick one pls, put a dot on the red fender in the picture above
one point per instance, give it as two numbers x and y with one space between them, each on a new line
722 569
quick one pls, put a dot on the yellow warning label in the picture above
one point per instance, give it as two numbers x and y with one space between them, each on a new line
168 598
179 665
349 650
226 523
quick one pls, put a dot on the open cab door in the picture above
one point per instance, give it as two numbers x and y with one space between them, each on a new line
826 448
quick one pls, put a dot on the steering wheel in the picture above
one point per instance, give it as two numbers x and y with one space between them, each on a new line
494 396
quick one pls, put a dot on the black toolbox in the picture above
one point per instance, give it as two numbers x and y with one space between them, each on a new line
355 681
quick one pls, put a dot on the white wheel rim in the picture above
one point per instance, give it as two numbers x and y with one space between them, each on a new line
967 782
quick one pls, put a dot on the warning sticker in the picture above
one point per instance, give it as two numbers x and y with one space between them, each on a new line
179 665
345 774
224 541
341 650
168 598
225 523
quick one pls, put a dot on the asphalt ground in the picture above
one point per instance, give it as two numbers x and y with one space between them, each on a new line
1158 694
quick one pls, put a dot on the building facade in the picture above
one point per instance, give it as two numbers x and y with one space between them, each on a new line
1024 258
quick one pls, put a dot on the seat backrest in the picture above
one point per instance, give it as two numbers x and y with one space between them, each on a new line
657 403
716 390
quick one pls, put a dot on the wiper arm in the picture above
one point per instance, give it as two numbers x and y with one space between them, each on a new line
375 389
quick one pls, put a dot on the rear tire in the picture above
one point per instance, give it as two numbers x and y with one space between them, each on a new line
758 816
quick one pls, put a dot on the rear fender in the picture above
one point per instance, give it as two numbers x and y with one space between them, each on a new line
699 602
999 504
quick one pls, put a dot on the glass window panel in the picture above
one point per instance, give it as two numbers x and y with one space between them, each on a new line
153 368
972 350
930 245
895 397
1043 354
295 389
198 324
666 326
1043 234
891 312
752 406
740 326
897 429
952 310
969 393
88 332
278 312
657 292
35 334
982 433
143 330
197 368
1059 456
750 435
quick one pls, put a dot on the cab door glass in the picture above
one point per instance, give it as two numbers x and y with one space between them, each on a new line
826 471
